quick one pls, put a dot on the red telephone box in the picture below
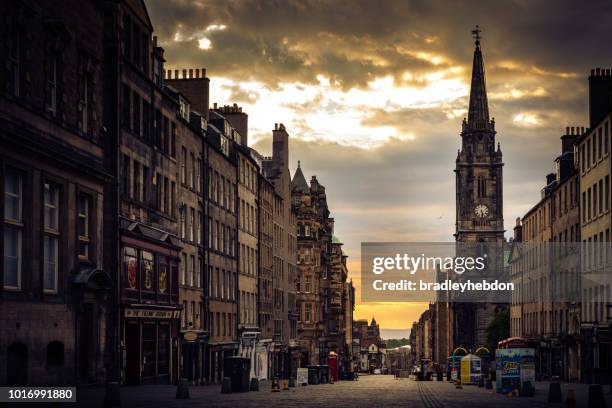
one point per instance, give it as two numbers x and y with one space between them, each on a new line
332 362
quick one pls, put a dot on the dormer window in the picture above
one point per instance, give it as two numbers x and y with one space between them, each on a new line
184 109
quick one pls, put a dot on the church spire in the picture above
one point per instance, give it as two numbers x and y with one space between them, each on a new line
478 114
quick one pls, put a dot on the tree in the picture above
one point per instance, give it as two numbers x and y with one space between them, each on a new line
499 329
393 343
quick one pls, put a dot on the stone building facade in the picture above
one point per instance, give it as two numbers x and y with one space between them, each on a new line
55 288
543 310
594 163
322 274
221 214
285 316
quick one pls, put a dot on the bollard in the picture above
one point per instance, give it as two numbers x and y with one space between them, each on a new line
226 385
285 384
439 376
554 392
254 386
488 384
570 399
596 397
481 381
448 376
182 390
292 382
112 395
275 385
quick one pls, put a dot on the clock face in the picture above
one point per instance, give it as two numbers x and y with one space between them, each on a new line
481 211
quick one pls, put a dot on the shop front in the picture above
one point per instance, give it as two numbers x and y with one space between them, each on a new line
149 344
150 312
193 355
217 353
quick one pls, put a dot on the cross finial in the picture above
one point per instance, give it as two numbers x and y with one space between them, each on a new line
476 34
299 164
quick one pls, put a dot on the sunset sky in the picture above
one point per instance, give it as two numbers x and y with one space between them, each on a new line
373 93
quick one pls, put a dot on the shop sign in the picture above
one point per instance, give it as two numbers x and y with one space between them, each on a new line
152 314
190 336
302 376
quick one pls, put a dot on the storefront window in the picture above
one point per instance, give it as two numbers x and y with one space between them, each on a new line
163 276
148 349
163 347
131 268
147 270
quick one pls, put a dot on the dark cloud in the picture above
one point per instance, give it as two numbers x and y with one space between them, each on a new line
537 57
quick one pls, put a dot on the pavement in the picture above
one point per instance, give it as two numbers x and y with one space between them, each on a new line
368 391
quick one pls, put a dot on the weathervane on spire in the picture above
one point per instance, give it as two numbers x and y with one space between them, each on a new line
476 35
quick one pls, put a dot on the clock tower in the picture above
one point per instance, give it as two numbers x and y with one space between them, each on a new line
479 200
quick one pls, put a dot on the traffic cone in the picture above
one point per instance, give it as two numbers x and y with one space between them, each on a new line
570 399
275 385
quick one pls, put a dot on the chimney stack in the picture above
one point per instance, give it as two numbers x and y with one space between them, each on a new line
600 95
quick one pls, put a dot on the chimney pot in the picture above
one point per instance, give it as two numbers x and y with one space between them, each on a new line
567 130
597 71
197 72
176 74
276 126
203 72
592 72
190 72
215 105
572 130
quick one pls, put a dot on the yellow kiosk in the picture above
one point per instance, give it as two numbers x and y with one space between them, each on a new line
471 369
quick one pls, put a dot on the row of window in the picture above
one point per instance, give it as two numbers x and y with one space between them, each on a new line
191 266
190 170
596 251
222 324
594 303
55 209
596 200
222 284
221 237
248 175
248 260
248 217
149 275
536 322
142 119
192 316
595 147
221 190
19 74
248 307
190 229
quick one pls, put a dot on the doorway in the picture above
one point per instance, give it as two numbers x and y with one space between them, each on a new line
17 365
85 328
132 351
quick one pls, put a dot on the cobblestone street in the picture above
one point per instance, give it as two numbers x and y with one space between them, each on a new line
376 390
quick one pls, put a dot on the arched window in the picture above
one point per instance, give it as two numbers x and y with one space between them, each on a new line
482 192
55 354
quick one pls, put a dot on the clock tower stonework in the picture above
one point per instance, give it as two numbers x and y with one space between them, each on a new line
479 200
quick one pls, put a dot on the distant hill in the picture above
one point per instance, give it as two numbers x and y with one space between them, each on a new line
387 334
393 343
